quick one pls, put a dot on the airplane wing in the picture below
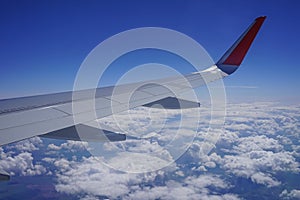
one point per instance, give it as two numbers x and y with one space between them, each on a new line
52 115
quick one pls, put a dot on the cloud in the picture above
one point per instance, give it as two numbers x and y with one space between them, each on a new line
254 143
31 144
69 145
253 146
100 180
205 181
190 188
254 163
260 140
17 158
293 194
21 164
54 147
262 178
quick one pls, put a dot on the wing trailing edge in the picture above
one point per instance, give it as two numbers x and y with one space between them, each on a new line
4 176
173 103
90 134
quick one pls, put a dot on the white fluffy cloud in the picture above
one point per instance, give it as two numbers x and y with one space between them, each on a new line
21 164
31 144
185 190
254 163
293 194
91 179
259 141
252 147
263 178
69 145
17 159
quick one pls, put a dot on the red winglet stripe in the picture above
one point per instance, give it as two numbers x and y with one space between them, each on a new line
237 55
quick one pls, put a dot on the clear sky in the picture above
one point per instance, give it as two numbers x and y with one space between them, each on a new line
44 42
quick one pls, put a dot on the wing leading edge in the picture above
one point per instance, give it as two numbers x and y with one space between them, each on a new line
52 115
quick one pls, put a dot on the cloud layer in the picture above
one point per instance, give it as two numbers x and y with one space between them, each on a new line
259 143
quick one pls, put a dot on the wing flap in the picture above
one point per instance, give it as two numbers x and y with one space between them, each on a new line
173 103
90 134
4 176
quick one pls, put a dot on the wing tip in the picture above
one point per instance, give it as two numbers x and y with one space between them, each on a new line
234 56
263 17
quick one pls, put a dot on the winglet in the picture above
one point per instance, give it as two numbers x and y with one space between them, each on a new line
234 56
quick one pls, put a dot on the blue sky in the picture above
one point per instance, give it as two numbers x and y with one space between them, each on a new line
44 42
